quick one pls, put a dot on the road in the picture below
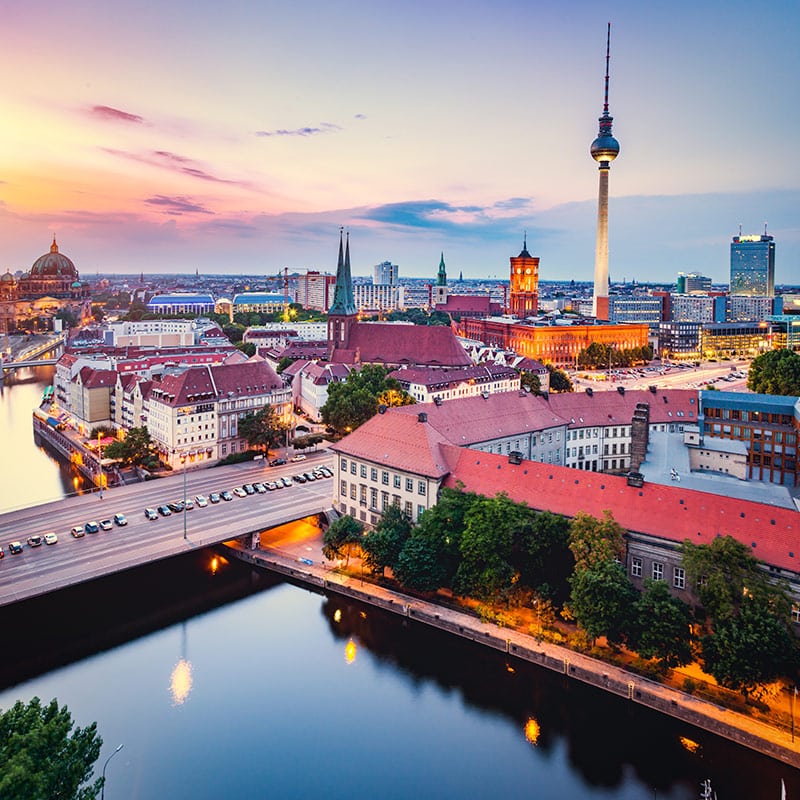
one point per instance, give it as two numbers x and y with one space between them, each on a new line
49 567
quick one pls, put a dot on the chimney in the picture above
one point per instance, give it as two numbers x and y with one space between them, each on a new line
621 389
422 417
589 391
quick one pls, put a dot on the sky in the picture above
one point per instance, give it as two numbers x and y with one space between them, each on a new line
239 137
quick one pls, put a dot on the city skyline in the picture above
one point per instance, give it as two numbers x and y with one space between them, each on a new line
238 140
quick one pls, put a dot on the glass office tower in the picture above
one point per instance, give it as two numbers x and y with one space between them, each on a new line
753 265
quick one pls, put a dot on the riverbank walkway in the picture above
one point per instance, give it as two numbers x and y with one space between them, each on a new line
310 569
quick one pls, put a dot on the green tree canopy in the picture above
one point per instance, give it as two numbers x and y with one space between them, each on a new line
559 380
593 540
264 429
544 558
383 544
531 381
662 625
135 449
341 537
44 757
775 372
353 401
602 600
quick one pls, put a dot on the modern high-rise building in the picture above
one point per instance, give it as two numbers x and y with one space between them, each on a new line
753 265
385 273
604 149
688 283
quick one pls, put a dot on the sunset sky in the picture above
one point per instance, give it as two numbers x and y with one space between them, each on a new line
237 137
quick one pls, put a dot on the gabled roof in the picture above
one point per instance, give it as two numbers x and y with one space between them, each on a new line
255 377
187 387
429 377
666 511
390 344
97 378
399 441
612 408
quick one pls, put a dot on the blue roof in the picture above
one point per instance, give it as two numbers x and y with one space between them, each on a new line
772 403
256 297
180 299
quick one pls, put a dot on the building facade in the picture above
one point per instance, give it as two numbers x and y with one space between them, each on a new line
753 265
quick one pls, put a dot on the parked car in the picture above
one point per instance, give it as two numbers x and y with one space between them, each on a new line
239 492
189 505
151 513
285 481
249 488
214 497
260 488
35 540
2 552
77 532
92 527
277 462
120 519
298 457
164 511
105 524
14 547
50 538
226 495
309 476
176 506
201 500
299 478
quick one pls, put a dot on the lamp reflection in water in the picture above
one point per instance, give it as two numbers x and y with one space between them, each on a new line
532 730
180 681
350 651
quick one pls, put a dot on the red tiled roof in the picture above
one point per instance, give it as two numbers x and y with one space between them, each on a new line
612 408
97 378
388 343
187 387
401 442
664 511
254 377
429 376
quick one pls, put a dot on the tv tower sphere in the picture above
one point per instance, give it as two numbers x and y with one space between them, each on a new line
605 147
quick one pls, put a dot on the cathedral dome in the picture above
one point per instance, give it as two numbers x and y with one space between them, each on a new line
7 277
53 264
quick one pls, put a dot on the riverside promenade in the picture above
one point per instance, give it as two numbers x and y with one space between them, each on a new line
731 725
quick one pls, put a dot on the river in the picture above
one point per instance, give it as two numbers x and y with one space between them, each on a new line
221 681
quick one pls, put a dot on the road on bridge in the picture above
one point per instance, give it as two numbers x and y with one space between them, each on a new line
38 570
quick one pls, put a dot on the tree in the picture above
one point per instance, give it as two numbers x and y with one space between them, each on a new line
353 401
559 380
341 537
43 758
531 381
383 544
248 348
283 363
753 648
265 428
421 564
775 372
595 356
593 540
135 449
662 625
490 524
544 559
602 600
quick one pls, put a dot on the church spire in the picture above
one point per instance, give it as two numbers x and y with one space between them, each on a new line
441 278
344 303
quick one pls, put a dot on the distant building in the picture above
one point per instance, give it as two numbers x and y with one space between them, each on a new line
386 274
649 310
724 340
437 385
257 302
697 308
150 333
523 294
181 303
689 283
751 308
378 297
315 290
753 265
679 340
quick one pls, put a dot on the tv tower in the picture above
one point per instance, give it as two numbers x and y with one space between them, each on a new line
604 150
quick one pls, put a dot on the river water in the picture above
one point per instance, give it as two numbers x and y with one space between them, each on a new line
221 681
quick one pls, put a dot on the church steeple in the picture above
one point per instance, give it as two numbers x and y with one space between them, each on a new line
441 278
343 312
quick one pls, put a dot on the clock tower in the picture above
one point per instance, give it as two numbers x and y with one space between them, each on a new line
523 298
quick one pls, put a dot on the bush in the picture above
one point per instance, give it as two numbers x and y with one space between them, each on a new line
689 686
238 458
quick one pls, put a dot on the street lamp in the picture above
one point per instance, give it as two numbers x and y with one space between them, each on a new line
103 789
100 462
183 461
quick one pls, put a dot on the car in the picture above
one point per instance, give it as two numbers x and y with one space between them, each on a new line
77 532
50 538
239 492
307 561
309 476
327 471
92 527
277 462
177 506
189 504
151 513
298 457
121 520
201 500
299 478
2 552
14 547
214 497
260 488
226 495
35 540
105 524
164 511
249 488
285 481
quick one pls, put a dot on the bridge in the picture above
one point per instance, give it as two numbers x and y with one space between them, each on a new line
48 568
30 356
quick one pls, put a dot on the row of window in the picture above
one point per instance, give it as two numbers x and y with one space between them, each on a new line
397 480
749 416
657 572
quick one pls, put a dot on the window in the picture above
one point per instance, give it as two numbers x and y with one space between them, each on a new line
658 571
796 614
679 578
408 508
352 467
343 489
362 494
420 511
352 491
373 498
373 474
385 478
384 500
363 470
396 481
421 487
409 484
636 567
